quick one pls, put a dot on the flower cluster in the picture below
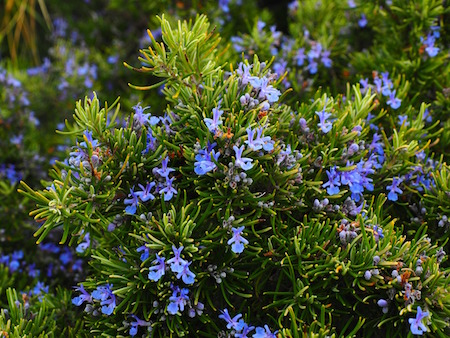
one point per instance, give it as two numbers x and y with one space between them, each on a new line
102 299
239 328
430 40
177 265
383 86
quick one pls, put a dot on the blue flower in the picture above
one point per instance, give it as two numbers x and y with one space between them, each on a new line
393 101
266 91
135 325
32 271
250 142
232 323
157 271
364 85
242 162
312 66
394 189
204 160
387 84
186 275
264 332
39 290
362 22
265 141
66 257
177 263
326 61
417 327
403 120
139 118
164 171
84 297
377 145
300 56
178 300
333 182
237 241
85 244
133 201
168 190
106 297
244 331
323 124
243 71
145 254
379 84
151 143
213 124
429 45
145 194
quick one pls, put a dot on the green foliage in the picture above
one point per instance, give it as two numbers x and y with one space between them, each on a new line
316 262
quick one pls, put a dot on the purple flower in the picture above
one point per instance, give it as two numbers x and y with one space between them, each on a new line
266 91
245 330
379 84
250 142
403 120
325 58
377 144
265 141
377 233
84 297
333 182
204 160
158 270
312 66
39 290
66 257
242 162
223 5
134 325
145 254
417 327
387 84
300 56
139 118
364 85
106 297
168 190
85 244
133 201
145 194
177 263
394 189
244 72
427 116
32 271
164 171
213 124
362 22
323 124
151 143
232 323
237 241
393 101
264 332
178 300
186 275
429 45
